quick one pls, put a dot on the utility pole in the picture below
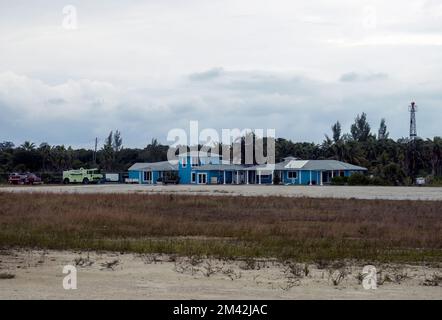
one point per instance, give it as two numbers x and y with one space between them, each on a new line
95 151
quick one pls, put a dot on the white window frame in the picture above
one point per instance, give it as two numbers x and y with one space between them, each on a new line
193 177
194 163
202 174
147 174
291 173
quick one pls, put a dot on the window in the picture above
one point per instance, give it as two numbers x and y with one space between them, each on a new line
184 162
194 161
202 178
193 177
147 175
341 173
293 174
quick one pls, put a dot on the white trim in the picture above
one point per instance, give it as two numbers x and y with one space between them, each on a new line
149 180
192 164
198 177
292 171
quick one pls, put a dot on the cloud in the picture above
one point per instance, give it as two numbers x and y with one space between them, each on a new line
206 75
353 76
299 108
145 67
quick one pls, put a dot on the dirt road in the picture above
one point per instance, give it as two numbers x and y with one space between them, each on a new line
345 192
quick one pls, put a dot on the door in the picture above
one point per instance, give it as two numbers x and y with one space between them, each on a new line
202 178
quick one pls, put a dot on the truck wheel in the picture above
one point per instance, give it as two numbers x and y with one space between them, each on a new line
66 181
85 181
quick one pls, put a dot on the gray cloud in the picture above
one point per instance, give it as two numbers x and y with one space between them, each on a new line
297 107
353 76
206 75
148 66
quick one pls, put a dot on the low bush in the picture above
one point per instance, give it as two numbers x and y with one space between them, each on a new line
358 179
339 181
378 181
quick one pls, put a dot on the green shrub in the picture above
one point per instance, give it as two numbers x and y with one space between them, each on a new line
358 179
339 181
394 174
435 181
276 179
378 181
3 178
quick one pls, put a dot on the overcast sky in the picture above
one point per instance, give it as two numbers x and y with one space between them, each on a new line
145 67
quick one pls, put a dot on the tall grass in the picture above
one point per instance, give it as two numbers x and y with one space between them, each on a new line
298 228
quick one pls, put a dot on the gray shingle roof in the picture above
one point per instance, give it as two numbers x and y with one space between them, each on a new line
289 164
155 166
324 165
330 165
219 167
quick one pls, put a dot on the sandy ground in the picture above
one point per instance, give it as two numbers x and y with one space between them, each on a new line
345 192
38 275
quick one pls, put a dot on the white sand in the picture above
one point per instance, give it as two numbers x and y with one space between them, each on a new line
38 275
345 192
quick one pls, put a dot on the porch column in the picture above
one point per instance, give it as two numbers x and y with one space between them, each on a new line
259 176
237 177
310 178
300 176
322 183
224 181
140 181
247 176
333 174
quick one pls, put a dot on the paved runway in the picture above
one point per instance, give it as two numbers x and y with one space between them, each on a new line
344 192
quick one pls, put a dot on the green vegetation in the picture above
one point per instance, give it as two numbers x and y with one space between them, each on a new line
390 162
358 179
303 229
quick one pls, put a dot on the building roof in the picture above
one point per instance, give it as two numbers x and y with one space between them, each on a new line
155 166
330 165
320 165
220 167
200 154
288 164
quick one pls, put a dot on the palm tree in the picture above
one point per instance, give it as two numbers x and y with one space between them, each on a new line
28 146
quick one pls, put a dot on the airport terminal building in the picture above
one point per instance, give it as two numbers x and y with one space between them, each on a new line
198 167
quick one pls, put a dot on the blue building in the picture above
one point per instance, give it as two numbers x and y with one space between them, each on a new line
149 173
198 167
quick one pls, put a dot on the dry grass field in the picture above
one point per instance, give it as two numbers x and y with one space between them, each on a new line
303 229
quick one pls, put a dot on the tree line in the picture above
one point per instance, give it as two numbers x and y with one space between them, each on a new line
390 162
